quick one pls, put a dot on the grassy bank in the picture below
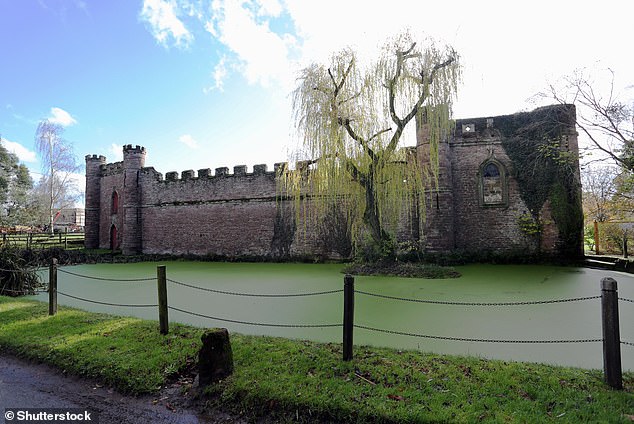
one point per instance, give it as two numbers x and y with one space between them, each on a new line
305 380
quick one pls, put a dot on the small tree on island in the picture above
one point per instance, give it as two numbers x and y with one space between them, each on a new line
351 119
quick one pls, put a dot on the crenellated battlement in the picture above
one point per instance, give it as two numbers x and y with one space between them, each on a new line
96 158
111 168
128 148
239 171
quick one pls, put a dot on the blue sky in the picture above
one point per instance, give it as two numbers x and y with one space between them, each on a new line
206 83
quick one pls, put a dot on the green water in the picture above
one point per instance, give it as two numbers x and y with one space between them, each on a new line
479 283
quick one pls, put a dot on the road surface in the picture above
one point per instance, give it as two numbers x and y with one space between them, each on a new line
27 385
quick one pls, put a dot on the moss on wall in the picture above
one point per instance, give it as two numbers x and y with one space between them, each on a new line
546 169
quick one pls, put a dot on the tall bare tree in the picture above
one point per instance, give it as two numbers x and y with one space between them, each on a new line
58 165
602 115
351 118
599 191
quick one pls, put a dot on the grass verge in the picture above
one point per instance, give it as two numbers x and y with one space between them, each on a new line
305 381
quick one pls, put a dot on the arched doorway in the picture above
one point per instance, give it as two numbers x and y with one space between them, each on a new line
114 245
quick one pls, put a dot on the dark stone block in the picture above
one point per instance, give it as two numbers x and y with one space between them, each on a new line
259 169
215 359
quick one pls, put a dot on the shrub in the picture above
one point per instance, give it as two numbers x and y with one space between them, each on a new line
17 276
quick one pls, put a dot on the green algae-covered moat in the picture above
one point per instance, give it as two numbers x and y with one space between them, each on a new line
212 290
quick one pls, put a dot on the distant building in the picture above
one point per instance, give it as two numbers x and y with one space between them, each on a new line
72 219
506 184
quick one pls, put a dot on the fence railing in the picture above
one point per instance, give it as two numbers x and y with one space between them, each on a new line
42 240
609 316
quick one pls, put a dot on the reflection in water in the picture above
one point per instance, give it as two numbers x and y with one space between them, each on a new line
478 284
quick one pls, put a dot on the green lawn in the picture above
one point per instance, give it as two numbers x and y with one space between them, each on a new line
296 379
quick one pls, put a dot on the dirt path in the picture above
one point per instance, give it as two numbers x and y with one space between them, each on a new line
27 385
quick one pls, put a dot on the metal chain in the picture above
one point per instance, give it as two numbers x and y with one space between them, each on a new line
257 323
21 270
444 302
106 303
23 291
464 339
626 300
106 279
627 343
254 294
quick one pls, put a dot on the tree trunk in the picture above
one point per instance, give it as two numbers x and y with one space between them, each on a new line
372 219
51 221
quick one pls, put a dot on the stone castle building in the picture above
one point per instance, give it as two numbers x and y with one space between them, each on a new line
506 184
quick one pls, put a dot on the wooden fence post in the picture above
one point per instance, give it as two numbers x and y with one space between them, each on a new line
596 237
348 316
52 287
162 299
611 336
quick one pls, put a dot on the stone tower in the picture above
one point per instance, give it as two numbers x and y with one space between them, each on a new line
133 162
93 200
438 230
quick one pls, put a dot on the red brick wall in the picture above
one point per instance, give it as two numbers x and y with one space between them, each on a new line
239 214
484 228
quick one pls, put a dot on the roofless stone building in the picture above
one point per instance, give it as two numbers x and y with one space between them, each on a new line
506 184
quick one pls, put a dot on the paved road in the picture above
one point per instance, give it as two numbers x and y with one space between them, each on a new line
27 385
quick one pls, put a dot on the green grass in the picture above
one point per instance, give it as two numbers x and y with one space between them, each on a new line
297 380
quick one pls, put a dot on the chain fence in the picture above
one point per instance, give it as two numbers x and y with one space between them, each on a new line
468 339
261 324
369 328
231 293
444 302
22 292
118 280
106 303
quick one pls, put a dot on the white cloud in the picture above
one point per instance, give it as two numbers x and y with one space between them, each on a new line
263 55
269 8
219 74
161 15
60 116
117 152
505 60
79 182
188 141
24 154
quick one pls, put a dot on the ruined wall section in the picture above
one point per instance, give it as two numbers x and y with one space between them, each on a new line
438 229
217 215
498 218
476 206
479 226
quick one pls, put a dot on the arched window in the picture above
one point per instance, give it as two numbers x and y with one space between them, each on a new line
492 184
491 171
115 202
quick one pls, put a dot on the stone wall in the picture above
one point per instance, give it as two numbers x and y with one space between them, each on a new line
226 214
479 227
475 206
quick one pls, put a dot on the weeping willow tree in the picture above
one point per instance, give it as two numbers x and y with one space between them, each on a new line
351 118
